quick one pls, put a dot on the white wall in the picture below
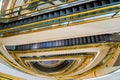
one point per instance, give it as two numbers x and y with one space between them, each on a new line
7 70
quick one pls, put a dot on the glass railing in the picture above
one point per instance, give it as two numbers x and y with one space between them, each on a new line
62 21
32 7
65 17
38 7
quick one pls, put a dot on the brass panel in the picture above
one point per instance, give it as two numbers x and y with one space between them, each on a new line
86 59
8 77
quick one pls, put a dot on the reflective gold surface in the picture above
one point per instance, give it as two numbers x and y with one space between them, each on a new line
110 51
82 61
8 77
69 18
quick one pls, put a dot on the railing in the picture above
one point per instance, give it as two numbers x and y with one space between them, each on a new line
59 67
31 7
63 43
60 21
62 12
62 17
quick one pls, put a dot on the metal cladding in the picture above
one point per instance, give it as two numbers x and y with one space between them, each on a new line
62 12
63 57
73 58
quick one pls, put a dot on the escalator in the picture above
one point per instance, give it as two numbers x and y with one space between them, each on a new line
59 17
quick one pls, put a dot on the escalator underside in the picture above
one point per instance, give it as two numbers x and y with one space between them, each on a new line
68 57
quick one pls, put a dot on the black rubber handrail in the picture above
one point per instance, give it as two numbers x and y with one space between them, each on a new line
61 12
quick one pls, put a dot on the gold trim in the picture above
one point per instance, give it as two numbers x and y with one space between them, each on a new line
8 77
64 48
31 72
114 46
58 58
33 10
107 62
68 16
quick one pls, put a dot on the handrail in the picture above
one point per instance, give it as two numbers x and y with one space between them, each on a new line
63 42
36 11
80 15
19 6
58 21
12 11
